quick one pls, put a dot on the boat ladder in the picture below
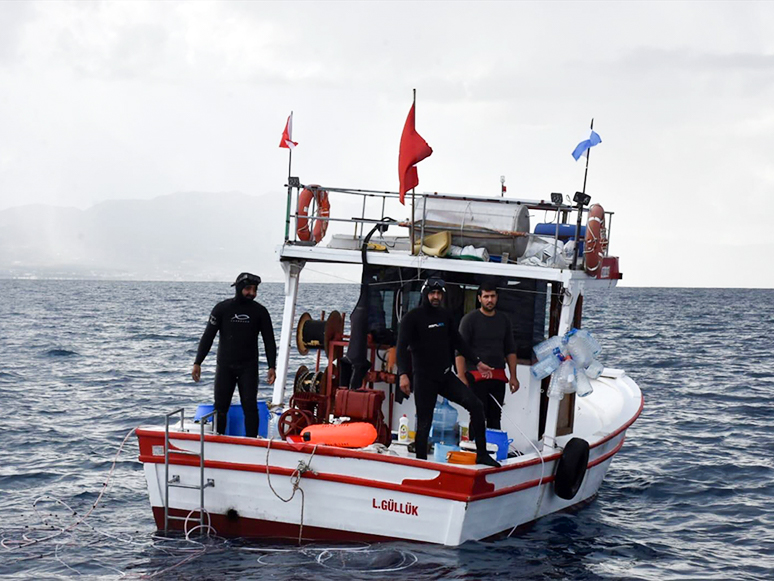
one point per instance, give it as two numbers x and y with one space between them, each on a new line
174 482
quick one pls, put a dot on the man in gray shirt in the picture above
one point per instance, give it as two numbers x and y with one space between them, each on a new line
490 335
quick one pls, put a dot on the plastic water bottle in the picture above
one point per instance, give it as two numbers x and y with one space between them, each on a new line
594 369
579 348
545 367
566 377
403 429
592 343
546 348
583 385
444 429
555 389
273 432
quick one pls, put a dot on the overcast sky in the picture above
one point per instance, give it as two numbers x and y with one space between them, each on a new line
112 100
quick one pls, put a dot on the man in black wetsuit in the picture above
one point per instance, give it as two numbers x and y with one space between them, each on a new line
491 335
239 320
431 336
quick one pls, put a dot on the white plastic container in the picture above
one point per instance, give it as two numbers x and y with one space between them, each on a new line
403 429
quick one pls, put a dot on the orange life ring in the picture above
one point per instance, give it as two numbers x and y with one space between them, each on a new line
595 245
319 227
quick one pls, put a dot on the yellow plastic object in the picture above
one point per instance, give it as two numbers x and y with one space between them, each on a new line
435 244
376 247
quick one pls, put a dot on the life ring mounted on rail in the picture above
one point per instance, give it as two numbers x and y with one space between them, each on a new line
319 225
595 244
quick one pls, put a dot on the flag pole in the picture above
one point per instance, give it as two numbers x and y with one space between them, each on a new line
588 155
290 192
580 207
412 189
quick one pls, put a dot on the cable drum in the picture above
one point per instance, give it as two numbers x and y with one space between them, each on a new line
315 334
308 381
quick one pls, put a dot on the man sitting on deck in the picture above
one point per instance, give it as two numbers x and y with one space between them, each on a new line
431 336
239 320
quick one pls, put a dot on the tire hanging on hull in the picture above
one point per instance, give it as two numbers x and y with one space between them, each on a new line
571 469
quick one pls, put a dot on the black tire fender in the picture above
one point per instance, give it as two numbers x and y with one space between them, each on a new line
571 468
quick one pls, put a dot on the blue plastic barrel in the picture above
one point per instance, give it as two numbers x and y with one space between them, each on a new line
235 419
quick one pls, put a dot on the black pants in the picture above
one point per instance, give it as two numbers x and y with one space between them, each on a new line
244 375
484 390
426 392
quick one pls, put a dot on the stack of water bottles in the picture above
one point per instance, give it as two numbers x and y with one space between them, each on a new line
572 361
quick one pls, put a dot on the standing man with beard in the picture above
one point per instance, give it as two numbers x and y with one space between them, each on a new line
239 320
491 334
429 334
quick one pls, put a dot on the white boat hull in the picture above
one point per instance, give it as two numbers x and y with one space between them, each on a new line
358 495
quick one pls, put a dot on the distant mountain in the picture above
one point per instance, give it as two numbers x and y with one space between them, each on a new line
182 236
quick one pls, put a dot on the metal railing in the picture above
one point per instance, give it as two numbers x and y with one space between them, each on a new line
564 213
175 481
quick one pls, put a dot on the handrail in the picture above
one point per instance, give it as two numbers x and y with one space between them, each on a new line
563 211
202 485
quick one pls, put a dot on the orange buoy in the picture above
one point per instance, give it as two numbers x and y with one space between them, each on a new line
349 435
320 197
595 244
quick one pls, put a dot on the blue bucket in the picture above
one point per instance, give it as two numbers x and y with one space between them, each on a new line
235 419
499 439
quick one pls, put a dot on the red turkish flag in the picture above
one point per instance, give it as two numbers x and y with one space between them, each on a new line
413 149
287 135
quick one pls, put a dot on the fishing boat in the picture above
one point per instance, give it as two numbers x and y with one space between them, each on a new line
560 443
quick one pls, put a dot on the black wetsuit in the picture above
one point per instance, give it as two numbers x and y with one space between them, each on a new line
492 337
430 335
239 321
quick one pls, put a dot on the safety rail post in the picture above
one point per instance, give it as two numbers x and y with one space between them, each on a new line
424 219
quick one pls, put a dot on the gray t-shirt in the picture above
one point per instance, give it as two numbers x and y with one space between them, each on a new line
491 338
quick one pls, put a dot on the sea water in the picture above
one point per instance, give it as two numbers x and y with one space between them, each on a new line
689 496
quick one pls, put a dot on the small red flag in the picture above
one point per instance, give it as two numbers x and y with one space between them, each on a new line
413 149
287 135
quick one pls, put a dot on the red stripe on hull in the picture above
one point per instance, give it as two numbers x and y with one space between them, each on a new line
452 486
250 528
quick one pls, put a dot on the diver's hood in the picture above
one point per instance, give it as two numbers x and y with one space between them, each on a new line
245 279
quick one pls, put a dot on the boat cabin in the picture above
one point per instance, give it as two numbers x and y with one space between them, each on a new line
540 274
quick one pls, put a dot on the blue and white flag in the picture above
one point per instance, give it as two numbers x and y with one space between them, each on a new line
584 146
